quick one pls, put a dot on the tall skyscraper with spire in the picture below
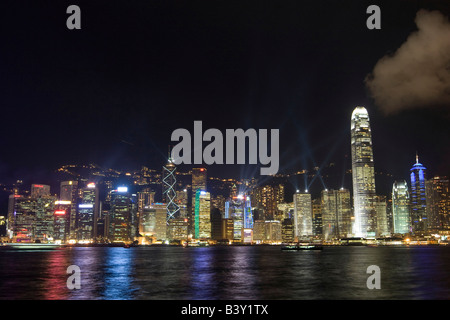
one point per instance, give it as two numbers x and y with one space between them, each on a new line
363 174
169 193
418 198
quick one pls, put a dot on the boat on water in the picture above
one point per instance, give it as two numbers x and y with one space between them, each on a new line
297 247
31 246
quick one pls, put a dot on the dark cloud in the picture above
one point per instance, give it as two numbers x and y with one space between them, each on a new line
418 73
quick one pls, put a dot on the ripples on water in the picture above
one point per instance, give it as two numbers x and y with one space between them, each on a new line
218 273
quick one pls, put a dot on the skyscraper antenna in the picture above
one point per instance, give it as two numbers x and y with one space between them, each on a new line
417 157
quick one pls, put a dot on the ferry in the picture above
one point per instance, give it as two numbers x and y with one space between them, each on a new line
31 246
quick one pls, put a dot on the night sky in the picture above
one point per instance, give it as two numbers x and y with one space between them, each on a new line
113 92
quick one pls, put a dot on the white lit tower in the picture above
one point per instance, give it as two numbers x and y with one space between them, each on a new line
363 174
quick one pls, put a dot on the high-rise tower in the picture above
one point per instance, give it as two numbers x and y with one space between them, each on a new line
400 207
69 192
302 214
438 203
88 213
418 198
169 193
363 174
202 214
199 177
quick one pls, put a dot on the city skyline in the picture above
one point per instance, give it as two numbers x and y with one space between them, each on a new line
75 217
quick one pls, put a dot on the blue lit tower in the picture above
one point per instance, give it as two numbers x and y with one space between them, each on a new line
169 194
418 198
248 216
239 208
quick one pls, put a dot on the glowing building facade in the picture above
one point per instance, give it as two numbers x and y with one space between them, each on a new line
88 213
44 229
199 177
120 216
268 197
303 225
400 208
438 203
239 209
202 215
336 213
419 219
363 174
69 192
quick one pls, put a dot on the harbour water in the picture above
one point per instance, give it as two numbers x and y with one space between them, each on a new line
226 273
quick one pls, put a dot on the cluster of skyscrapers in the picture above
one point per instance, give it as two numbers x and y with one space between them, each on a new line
420 209
249 213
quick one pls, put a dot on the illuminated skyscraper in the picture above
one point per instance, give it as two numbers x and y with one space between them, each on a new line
177 229
160 220
169 181
287 231
61 220
419 221
317 217
12 200
239 209
202 215
24 222
336 213
120 215
199 178
182 202
68 192
363 174
380 206
272 231
259 230
268 197
144 198
44 228
400 207
302 215
438 203
88 210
